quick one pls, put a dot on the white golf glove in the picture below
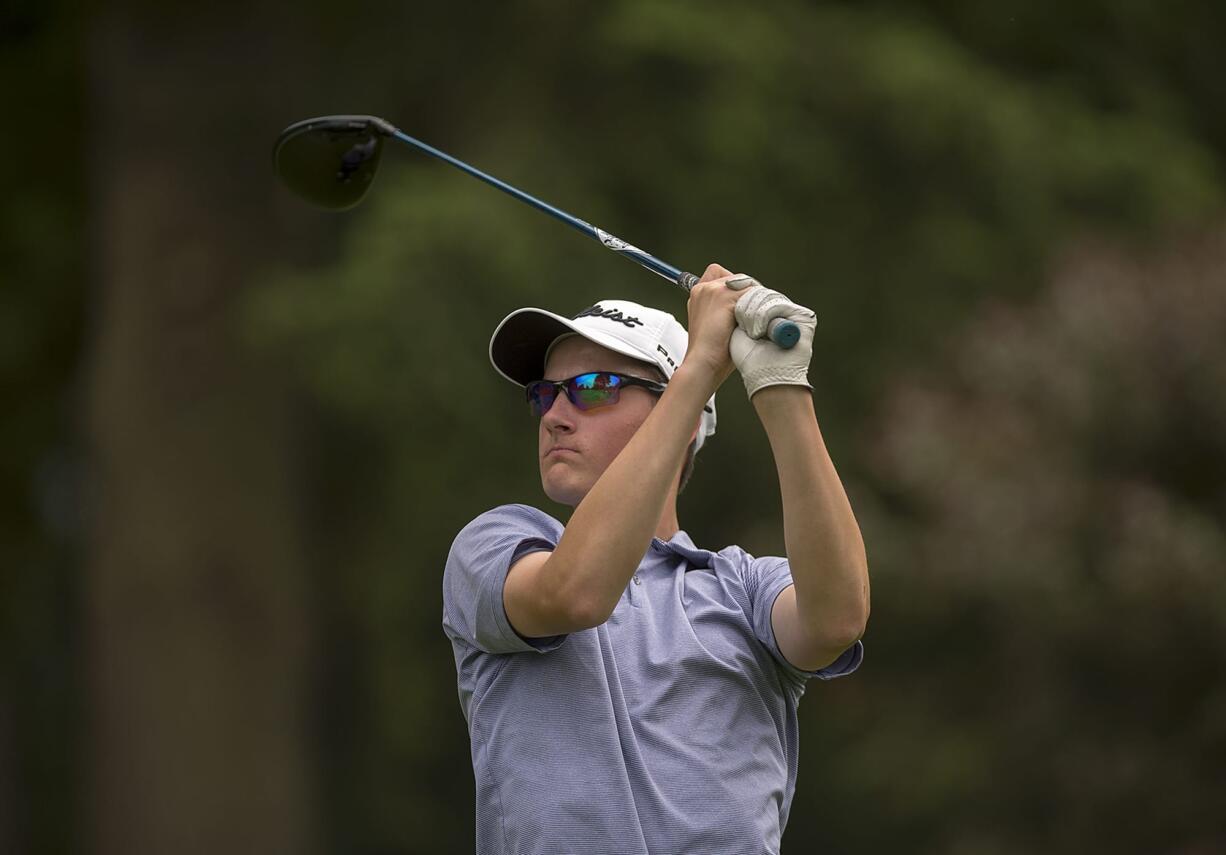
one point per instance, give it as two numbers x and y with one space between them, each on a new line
760 361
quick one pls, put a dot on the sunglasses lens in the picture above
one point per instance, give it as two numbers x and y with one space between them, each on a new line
593 390
586 392
540 397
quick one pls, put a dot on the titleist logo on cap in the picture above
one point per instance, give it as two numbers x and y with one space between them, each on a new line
598 311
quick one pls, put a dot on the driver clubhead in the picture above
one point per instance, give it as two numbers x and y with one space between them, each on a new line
330 160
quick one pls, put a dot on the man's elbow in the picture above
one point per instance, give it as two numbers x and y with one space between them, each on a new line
838 635
586 613
580 607
843 636
833 644
538 606
855 618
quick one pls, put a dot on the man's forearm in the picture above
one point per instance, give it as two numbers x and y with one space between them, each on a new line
611 527
824 546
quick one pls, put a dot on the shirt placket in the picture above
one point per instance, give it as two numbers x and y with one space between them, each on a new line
634 589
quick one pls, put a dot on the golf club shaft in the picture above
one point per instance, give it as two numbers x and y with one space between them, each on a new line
783 332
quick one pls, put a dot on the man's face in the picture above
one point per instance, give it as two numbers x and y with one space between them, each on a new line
576 446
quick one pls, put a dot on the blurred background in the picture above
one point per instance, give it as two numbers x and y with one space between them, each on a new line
239 434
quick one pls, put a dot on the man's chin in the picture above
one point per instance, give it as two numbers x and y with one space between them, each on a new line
564 493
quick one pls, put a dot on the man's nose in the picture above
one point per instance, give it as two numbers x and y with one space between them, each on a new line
560 416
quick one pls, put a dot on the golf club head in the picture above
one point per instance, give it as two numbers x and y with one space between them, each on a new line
331 160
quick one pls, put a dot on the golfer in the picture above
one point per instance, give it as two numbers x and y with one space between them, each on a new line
626 690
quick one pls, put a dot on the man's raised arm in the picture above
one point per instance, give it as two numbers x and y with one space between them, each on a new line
825 610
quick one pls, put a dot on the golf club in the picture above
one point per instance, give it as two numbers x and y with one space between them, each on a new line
331 161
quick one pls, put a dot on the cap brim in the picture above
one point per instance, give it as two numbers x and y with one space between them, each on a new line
519 344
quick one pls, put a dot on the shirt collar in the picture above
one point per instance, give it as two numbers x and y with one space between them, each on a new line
683 545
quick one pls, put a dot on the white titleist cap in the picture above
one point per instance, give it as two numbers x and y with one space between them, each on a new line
521 342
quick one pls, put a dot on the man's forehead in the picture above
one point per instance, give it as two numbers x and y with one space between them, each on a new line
582 354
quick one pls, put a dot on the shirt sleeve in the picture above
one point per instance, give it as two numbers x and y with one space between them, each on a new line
765 579
477 567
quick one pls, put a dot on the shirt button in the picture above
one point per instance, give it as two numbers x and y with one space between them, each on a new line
636 580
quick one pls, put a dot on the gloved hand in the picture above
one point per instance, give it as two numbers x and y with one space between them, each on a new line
760 361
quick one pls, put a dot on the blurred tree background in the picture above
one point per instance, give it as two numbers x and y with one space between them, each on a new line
239 434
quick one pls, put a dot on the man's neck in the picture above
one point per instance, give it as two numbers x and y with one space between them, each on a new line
668 525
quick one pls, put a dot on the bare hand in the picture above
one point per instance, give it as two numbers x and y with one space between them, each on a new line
712 317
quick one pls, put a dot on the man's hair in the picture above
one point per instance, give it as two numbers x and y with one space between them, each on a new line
687 468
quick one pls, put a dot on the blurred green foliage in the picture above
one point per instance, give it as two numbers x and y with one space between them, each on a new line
1055 493
1017 373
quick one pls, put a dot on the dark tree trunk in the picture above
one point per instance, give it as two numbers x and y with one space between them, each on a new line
8 775
195 591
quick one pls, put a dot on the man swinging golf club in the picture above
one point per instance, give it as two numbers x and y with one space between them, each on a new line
627 691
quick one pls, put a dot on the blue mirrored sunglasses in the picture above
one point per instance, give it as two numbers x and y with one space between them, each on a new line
585 391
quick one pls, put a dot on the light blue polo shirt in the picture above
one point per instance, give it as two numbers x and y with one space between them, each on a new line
670 728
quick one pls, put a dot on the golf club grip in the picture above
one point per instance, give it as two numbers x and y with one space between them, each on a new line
781 331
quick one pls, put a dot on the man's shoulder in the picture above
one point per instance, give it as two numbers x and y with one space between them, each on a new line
750 571
510 515
508 520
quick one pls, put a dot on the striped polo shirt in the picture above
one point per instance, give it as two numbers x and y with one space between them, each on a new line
671 728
